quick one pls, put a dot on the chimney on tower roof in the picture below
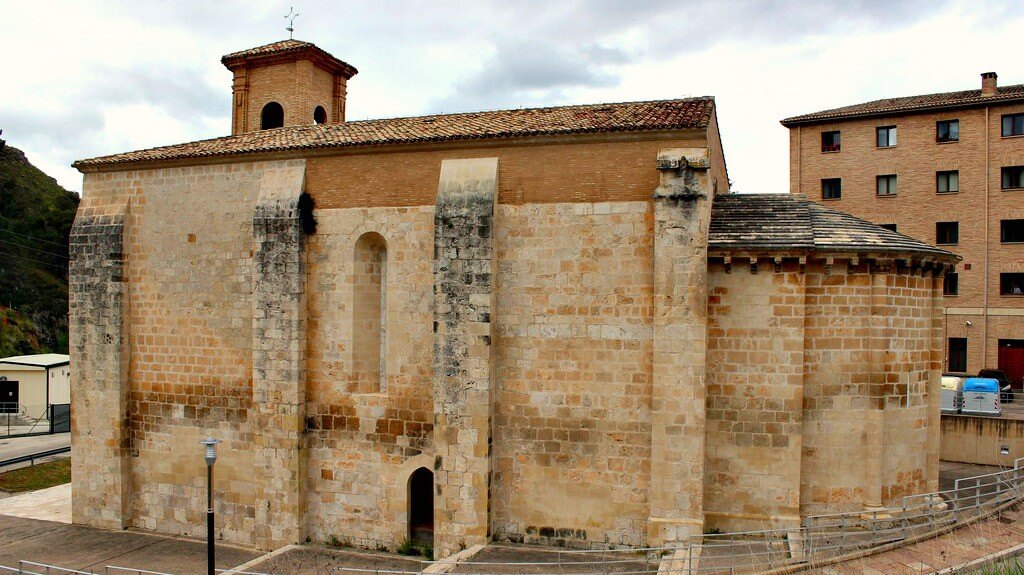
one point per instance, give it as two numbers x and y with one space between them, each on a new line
988 83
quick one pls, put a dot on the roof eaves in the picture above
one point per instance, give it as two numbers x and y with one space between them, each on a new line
829 115
154 154
29 364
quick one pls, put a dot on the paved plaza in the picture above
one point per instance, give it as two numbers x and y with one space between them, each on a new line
87 548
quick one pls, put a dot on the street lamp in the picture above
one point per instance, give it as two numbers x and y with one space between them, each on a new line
211 458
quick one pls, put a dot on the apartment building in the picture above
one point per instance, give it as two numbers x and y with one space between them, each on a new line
945 168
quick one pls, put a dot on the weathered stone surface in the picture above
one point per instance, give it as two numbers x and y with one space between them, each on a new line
99 376
463 303
578 373
279 359
682 213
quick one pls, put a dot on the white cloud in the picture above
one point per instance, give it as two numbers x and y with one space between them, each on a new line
86 78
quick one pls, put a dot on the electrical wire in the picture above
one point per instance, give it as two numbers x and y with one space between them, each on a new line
56 255
60 267
32 238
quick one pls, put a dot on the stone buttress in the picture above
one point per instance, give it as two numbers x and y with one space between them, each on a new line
99 372
463 299
278 348
682 214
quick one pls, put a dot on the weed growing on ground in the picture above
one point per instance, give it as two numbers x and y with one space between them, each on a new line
339 543
406 547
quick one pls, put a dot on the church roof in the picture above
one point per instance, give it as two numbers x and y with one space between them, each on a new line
287 51
272 48
906 104
791 222
689 113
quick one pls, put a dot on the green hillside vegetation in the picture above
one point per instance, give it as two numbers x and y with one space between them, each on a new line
35 221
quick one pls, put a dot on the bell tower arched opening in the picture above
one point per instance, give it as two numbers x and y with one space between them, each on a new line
272 116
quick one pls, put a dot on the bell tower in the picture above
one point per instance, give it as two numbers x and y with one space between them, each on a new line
287 83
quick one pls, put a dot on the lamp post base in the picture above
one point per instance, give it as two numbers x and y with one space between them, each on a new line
210 564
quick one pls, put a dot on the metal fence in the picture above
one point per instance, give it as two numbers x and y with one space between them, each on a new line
829 537
19 419
819 539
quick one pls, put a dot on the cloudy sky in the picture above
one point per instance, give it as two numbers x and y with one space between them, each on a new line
86 78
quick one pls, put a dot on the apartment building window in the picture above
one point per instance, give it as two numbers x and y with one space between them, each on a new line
886 136
890 227
1013 177
957 360
947 233
951 284
1011 231
886 185
830 141
947 182
947 131
1011 284
831 188
1013 125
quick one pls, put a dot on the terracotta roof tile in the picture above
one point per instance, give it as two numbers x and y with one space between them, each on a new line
691 113
926 102
272 48
287 50
790 222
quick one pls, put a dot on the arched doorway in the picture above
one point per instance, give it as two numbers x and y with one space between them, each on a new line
421 506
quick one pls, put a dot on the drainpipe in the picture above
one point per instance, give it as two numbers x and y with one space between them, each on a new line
984 305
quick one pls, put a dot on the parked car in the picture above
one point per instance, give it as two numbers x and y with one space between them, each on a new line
1005 391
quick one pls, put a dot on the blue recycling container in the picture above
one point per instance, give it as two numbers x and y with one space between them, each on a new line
981 397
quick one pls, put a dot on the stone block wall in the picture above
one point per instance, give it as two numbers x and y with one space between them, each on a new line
463 368
559 366
279 359
362 447
682 214
186 317
98 343
755 395
870 374
190 324
573 373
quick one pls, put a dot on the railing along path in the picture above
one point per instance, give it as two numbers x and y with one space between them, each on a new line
819 539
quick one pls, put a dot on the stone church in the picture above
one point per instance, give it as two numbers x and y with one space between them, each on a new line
549 325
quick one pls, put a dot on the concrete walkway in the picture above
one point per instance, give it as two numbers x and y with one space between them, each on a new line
50 504
316 560
87 548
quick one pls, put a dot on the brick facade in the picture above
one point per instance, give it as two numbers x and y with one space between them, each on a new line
979 206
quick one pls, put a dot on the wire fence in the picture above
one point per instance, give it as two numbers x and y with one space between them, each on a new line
819 540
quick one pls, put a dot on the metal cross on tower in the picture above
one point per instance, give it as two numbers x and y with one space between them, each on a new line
291 16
